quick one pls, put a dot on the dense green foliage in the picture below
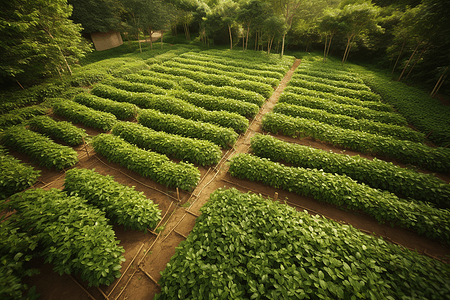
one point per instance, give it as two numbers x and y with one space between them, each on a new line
134 86
122 111
123 205
39 148
61 131
236 251
17 116
147 163
196 151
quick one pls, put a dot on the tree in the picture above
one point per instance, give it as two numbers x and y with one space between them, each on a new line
248 12
96 15
274 26
329 26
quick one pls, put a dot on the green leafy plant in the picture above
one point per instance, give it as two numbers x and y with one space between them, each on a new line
335 83
122 111
62 131
19 115
134 86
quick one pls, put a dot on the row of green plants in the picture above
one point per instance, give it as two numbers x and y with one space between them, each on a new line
223 91
346 193
236 252
147 163
15 176
221 136
335 83
122 204
373 105
81 114
353 111
332 67
417 154
137 87
122 110
398 132
61 131
141 100
39 148
201 152
150 73
322 87
19 115
260 57
193 66
153 80
308 69
73 236
406 183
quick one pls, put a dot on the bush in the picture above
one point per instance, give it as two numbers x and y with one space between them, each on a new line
17 116
122 111
134 86
336 83
62 131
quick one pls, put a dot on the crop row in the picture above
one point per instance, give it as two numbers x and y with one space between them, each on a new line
260 58
192 65
398 132
172 105
153 80
61 131
375 173
236 252
221 136
353 111
328 75
331 68
39 148
78 113
224 91
147 163
15 176
263 89
19 115
196 151
373 105
122 111
335 83
345 192
122 204
73 236
362 95
134 86
433 159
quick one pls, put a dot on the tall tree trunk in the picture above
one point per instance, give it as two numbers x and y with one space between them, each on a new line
346 48
438 84
231 37
417 60
329 44
325 49
407 63
150 32
282 46
349 49
398 57
256 40
162 37
246 43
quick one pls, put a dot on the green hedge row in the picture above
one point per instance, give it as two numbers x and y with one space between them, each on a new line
78 113
373 105
168 77
122 111
221 136
336 83
235 251
395 131
375 173
134 86
15 176
210 102
39 148
256 57
345 192
307 70
161 82
17 116
73 236
250 72
141 100
353 111
149 164
196 151
362 95
223 91
62 131
122 204
433 159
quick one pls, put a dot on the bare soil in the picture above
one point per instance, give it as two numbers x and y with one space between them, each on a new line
148 253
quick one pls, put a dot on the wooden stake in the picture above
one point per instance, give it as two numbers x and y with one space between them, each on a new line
178 195
275 197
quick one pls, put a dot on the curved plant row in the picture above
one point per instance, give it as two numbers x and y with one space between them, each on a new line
342 121
123 204
353 111
236 252
221 136
19 115
15 176
148 164
134 86
433 159
75 237
335 83
306 69
196 151
62 131
78 113
375 173
373 105
122 111
260 57
39 148
153 80
345 192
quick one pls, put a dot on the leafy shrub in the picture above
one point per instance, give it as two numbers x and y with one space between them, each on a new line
123 205
62 131
134 86
160 82
17 116
39 148
149 164
433 159
375 173
89 117
122 111
345 192
192 150
236 252
15 176
224 137
307 70
336 83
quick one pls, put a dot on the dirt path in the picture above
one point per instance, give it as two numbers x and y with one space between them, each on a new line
148 253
